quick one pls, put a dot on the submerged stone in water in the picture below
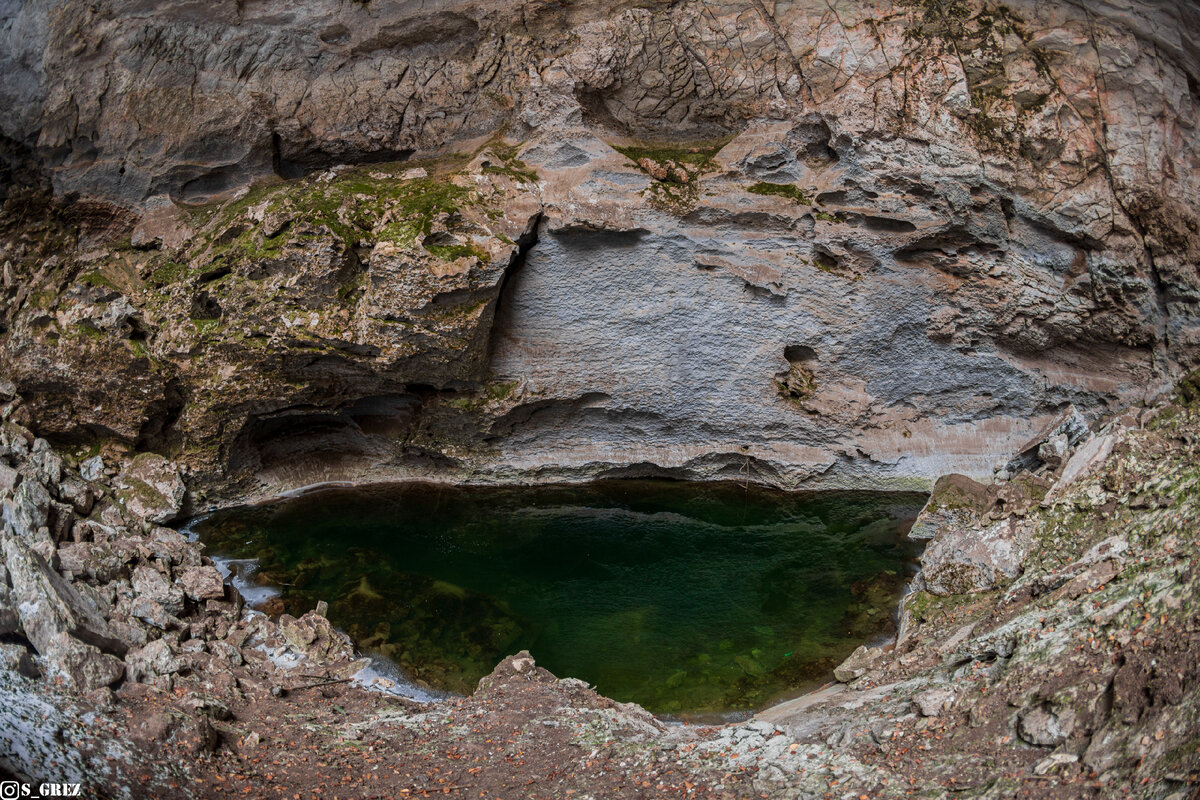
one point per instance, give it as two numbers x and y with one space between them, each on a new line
685 598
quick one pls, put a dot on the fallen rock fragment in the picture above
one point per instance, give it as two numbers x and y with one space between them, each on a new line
151 488
202 583
933 702
49 606
857 664
965 560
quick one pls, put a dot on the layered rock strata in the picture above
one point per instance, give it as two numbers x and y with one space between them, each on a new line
855 246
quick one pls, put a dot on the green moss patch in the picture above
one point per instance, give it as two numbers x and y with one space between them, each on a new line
786 190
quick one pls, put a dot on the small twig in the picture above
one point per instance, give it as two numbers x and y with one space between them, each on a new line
329 682
433 790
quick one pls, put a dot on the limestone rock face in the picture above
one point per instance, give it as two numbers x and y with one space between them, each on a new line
495 241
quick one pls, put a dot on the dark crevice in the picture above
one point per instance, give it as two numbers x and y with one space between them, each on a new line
525 243
291 161
158 432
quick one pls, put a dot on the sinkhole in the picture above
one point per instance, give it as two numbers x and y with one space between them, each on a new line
690 599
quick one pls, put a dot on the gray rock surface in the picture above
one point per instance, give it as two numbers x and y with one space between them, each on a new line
152 488
974 558
871 249
857 663
48 606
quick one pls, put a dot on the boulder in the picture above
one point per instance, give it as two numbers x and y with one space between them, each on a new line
8 478
151 613
92 469
152 585
932 702
1070 425
202 583
9 621
48 606
316 637
975 559
78 494
1053 451
857 664
171 546
1045 724
153 660
100 561
955 501
17 658
83 666
151 488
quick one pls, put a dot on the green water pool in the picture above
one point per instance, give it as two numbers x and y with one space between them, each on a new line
688 598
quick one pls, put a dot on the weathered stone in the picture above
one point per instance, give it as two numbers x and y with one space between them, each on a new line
92 469
48 606
202 583
10 622
47 464
16 657
316 637
857 664
208 706
963 560
8 478
83 665
29 508
62 518
150 612
170 546
151 584
1053 451
154 660
955 501
1083 461
932 702
1046 725
197 734
1070 426
151 488
100 561
78 494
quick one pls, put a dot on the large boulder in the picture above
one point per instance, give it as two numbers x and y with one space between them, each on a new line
975 558
154 660
202 583
955 501
857 664
151 488
153 585
49 607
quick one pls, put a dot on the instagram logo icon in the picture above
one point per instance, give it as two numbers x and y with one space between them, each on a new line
9 790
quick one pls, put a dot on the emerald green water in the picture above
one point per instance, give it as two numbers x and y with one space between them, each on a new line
687 598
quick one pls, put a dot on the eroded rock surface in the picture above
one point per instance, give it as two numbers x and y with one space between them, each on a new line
543 242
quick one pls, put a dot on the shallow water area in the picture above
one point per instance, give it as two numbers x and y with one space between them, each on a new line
687 598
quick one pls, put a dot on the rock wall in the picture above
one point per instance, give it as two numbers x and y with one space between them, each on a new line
803 244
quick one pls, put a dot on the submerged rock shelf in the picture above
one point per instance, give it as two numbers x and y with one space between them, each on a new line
682 597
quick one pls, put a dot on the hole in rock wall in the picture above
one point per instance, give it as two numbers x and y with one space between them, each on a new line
311 442
797 382
689 598
296 160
